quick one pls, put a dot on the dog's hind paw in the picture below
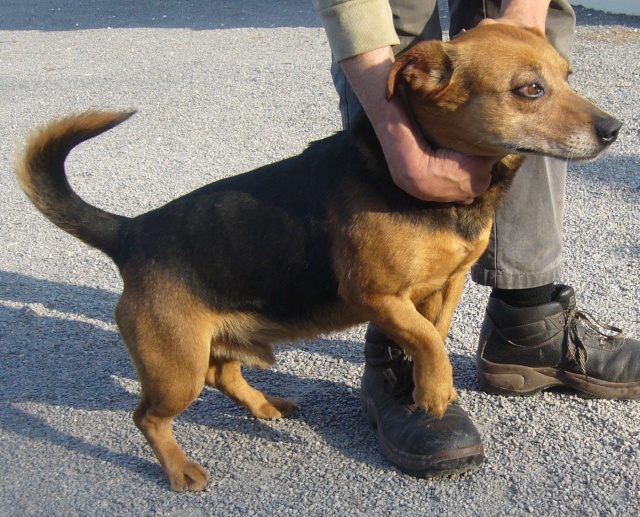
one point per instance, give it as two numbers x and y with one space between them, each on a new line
283 407
190 476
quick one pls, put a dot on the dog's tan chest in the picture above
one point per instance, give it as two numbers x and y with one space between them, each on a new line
382 254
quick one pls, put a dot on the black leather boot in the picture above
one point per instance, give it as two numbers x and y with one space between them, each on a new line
414 441
524 350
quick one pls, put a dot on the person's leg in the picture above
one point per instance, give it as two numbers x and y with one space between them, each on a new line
533 337
413 440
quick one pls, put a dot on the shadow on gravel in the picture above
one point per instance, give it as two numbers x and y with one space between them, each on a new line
591 17
52 361
69 15
17 421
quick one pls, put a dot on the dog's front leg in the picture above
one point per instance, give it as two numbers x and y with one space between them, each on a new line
398 318
439 307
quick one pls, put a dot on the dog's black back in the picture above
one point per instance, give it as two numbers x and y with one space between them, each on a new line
257 242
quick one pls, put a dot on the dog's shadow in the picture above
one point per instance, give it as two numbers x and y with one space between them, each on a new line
59 348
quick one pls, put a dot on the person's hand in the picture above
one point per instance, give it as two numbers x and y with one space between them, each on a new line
439 176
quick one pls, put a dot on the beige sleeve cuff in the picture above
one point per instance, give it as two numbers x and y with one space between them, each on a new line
354 27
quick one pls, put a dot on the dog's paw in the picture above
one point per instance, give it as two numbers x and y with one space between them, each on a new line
190 476
285 407
275 407
435 402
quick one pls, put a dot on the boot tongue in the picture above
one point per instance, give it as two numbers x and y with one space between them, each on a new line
566 296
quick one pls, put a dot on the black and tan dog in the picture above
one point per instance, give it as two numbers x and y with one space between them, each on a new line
320 241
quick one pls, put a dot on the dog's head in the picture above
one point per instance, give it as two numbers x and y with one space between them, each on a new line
497 90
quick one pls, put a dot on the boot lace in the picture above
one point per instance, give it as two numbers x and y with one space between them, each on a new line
575 328
400 378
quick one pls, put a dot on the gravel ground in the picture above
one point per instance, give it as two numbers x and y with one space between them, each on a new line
222 87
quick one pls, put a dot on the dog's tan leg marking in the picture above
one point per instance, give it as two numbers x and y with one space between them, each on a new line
169 342
154 417
439 309
226 376
432 373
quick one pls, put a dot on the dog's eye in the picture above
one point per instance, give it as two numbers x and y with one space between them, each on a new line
532 90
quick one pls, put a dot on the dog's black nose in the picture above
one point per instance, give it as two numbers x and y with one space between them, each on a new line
607 129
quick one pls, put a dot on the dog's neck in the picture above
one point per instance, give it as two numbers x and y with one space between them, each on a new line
468 219
369 143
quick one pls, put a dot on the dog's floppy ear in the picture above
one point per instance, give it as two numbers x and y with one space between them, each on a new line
425 69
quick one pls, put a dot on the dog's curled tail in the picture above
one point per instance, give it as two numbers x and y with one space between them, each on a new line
41 174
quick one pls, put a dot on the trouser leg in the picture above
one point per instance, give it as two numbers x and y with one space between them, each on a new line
526 246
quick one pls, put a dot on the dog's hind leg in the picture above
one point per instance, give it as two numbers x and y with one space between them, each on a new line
226 376
170 350
154 417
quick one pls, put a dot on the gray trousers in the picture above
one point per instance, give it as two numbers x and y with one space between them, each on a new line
526 245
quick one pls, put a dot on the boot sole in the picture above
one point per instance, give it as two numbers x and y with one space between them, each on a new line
513 379
446 463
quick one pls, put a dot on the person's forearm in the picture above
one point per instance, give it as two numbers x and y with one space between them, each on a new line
443 175
367 73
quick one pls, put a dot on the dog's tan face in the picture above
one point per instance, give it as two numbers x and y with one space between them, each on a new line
501 90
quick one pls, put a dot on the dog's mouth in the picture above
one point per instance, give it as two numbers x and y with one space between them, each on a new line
561 154
525 150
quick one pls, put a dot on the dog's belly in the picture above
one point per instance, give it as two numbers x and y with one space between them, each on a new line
249 336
